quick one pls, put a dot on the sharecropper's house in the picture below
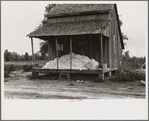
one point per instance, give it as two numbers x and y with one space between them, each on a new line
91 30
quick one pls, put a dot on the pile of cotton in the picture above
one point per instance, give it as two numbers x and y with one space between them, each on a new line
80 62
92 65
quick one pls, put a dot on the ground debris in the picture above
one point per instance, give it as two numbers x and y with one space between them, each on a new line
45 88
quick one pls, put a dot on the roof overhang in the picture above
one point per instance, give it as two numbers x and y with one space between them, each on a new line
72 28
122 43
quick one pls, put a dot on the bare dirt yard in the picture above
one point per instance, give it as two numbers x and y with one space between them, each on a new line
21 86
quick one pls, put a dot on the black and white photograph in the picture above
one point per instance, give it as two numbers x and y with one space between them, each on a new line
76 52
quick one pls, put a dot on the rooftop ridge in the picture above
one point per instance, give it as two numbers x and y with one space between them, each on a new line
78 9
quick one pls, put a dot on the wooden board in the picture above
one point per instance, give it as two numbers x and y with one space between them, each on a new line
78 18
73 70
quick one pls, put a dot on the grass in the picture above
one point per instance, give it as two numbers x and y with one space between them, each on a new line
127 76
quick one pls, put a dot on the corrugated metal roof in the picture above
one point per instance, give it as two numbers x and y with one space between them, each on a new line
78 8
71 28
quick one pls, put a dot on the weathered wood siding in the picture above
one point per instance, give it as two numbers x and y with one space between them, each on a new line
78 18
106 51
115 49
88 45
51 49
118 42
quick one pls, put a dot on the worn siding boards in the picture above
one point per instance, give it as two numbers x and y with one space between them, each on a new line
110 42
90 48
118 41
114 31
106 51
116 44
51 49
78 18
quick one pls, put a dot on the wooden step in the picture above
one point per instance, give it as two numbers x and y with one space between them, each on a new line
64 74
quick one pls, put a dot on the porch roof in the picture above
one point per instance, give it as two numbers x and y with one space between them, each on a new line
71 28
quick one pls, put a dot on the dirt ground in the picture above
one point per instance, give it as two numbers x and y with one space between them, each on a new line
20 86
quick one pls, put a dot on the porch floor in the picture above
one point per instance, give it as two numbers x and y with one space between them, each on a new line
105 70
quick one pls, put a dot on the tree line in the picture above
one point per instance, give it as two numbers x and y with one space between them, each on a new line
13 56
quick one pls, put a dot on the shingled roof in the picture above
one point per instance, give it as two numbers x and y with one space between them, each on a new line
71 28
61 9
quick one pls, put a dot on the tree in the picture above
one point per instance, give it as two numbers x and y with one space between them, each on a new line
44 45
44 21
125 37
8 56
43 48
38 56
26 57
126 55
5 55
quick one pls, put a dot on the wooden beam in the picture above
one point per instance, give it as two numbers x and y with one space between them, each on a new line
110 40
32 52
77 13
70 53
57 54
101 49
49 58
102 56
116 42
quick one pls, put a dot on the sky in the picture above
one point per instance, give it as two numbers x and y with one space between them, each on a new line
19 18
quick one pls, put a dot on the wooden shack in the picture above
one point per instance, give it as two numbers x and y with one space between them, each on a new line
87 29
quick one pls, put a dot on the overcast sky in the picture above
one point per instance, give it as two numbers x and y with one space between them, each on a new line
19 18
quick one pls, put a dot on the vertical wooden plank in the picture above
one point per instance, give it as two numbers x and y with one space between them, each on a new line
48 50
110 41
101 40
70 53
101 49
90 46
115 44
57 53
33 52
104 51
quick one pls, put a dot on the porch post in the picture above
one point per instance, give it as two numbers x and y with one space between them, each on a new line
57 54
32 52
102 56
49 58
70 53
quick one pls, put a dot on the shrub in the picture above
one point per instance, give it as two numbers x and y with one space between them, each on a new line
12 67
6 71
19 67
126 76
27 68
8 68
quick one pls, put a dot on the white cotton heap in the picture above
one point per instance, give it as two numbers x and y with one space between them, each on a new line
92 65
80 62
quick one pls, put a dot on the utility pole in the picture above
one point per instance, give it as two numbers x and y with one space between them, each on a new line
137 54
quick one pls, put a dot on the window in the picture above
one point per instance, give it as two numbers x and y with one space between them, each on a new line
60 47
